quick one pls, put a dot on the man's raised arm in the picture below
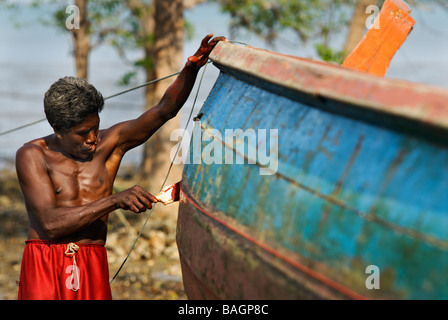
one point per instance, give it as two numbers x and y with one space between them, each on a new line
135 132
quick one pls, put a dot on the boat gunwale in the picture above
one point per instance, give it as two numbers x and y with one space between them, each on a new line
394 102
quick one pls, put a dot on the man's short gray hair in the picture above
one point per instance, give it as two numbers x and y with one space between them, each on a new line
69 101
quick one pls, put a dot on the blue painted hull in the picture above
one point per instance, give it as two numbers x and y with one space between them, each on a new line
347 195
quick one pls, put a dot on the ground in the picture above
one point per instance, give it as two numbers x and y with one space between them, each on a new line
151 272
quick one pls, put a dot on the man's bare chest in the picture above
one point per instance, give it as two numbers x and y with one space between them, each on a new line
78 183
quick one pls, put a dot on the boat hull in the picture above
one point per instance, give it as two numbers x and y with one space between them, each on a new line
354 205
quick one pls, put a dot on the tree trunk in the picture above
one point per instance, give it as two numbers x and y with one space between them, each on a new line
357 26
82 41
167 56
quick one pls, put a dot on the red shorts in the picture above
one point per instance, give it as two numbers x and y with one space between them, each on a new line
62 271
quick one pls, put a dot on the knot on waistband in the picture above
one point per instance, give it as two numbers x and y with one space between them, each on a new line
72 248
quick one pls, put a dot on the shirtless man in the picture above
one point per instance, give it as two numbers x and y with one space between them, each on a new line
67 182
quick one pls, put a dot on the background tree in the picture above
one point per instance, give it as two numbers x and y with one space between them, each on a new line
156 28
160 34
81 40
357 26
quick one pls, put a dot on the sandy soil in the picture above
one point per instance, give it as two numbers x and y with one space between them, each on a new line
151 272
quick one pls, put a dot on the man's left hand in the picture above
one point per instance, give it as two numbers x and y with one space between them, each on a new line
199 59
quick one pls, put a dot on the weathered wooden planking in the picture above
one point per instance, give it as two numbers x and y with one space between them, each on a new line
348 192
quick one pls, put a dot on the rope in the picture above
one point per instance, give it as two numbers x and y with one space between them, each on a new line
109 97
166 178
112 96
141 86
72 248
22 127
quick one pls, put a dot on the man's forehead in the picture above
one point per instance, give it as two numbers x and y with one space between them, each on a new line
91 121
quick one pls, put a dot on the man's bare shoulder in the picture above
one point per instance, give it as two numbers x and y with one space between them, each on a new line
109 138
34 149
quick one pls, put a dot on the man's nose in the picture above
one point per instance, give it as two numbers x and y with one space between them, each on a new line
91 138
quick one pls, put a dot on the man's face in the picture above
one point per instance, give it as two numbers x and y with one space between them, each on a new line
81 140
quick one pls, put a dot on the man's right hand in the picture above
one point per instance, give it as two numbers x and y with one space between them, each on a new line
135 199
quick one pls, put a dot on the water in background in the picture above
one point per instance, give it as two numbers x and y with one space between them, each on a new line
32 57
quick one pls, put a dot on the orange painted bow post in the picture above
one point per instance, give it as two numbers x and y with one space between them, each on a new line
375 51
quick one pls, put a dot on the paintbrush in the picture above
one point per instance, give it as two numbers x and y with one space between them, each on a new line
169 194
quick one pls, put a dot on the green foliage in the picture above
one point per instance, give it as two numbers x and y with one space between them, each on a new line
58 21
189 29
328 54
308 19
127 79
145 63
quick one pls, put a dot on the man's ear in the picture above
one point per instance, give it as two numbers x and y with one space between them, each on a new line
58 132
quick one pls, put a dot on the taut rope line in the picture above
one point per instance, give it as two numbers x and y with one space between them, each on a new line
166 177
109 97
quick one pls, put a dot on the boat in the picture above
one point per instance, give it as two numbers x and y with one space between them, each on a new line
331 184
